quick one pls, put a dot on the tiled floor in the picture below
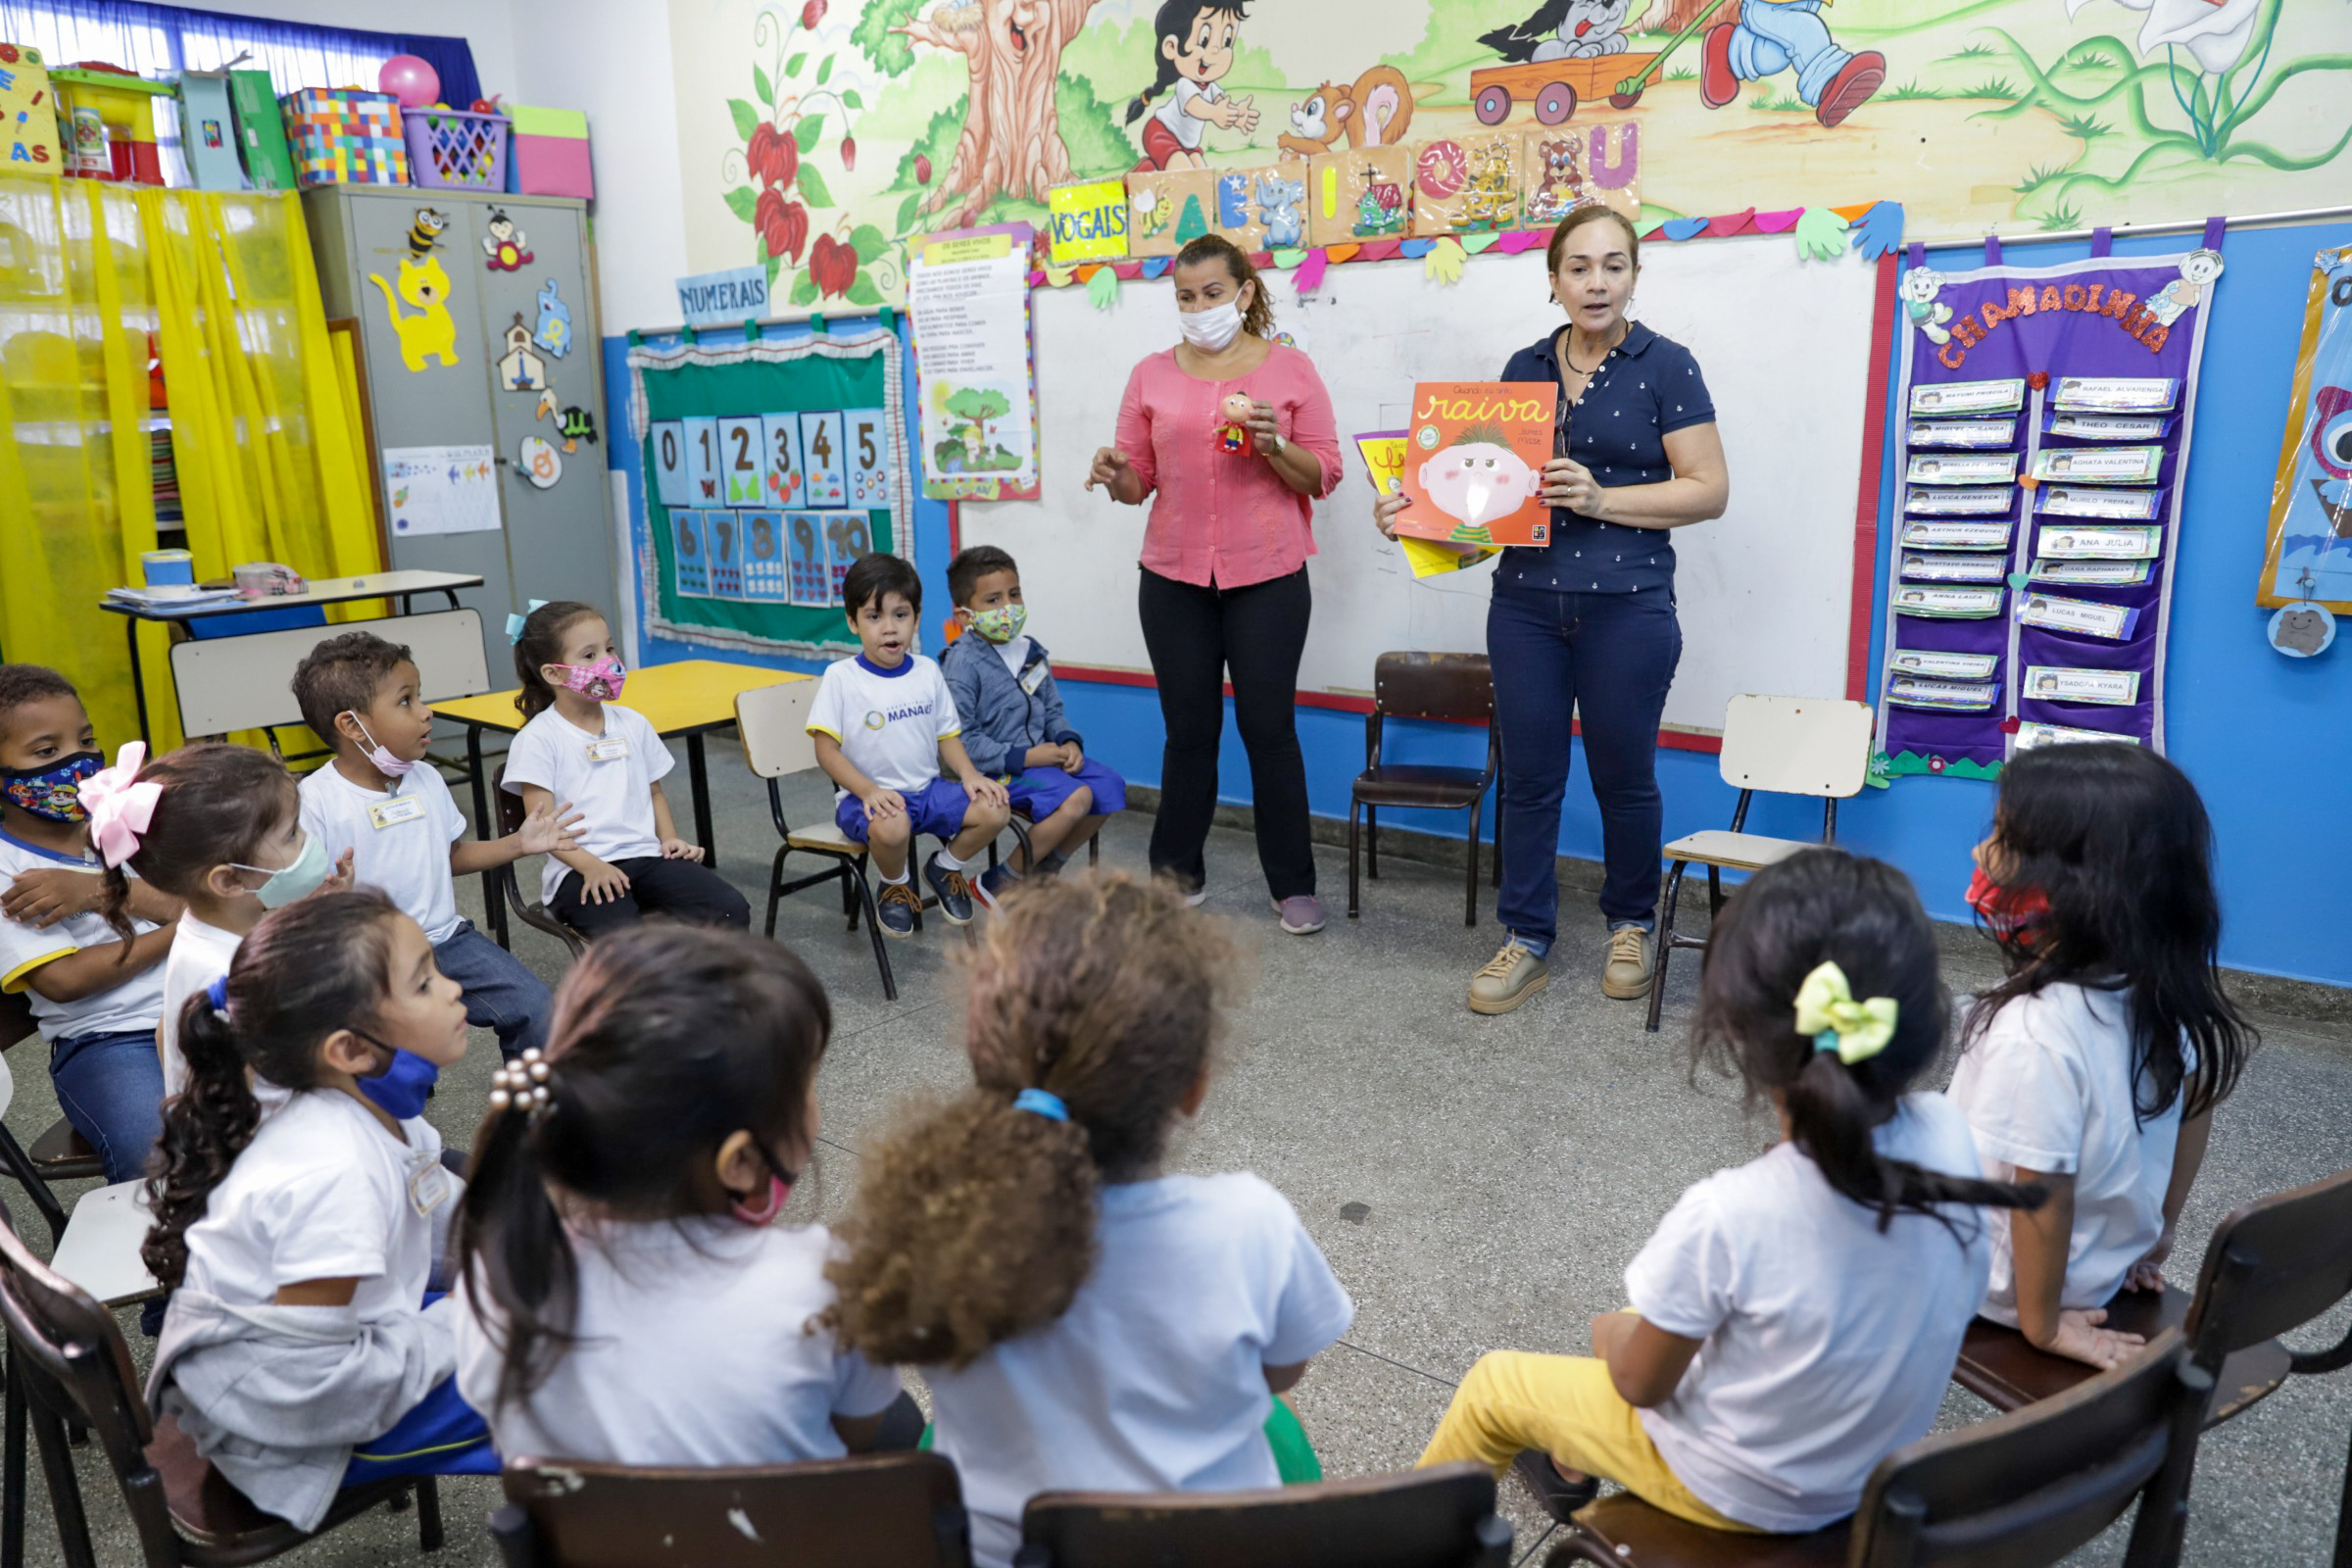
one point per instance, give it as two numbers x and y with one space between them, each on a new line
1477 1183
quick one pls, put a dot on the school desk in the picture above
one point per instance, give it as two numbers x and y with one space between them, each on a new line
219 617
690 699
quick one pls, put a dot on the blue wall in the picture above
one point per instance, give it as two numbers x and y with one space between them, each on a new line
2267 738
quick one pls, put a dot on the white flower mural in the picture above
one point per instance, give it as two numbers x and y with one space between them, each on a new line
2215 31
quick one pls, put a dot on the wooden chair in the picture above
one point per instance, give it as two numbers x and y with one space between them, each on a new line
2273 1265
66 1357
2018 1490
1442 1517
1456 688
894 1510
772 721
1818 745
531 911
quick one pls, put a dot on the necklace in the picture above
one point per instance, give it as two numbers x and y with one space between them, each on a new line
1570 359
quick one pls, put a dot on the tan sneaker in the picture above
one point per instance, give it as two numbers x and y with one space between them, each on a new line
1509 978
1632 956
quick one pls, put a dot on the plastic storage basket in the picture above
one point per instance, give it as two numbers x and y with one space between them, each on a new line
452 149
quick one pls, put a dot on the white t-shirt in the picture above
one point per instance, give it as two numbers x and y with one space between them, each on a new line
608 778
324 1192
400 840
1187 129
200 955
1154 1379
1827 1344
1016 654
889 724
134 1005
693 1350
2047 1087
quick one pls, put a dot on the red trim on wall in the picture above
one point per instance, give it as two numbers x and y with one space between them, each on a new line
955 529
1866 499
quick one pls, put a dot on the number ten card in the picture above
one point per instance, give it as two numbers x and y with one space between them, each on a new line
739 443
847 535
671 487
821 449
868 457
785 478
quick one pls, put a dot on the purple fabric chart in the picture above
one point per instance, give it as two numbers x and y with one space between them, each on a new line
2044 415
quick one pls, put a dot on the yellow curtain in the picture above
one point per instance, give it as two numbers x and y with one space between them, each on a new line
262 417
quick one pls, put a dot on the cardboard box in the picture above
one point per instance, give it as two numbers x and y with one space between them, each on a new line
207 131
1467 184
342 136
1567 166
550 153
1359 194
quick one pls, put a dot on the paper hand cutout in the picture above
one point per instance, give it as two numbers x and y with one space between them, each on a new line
1820 235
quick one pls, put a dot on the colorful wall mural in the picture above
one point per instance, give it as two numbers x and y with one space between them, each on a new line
815 137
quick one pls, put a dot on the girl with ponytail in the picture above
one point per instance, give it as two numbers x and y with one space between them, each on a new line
1828 1282
627 1297
2095 1067
1195 43
1084 1321
296 1222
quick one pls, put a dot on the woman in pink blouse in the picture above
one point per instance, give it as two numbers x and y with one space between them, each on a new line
1224 589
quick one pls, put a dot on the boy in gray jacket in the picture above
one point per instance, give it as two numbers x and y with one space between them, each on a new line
1013 724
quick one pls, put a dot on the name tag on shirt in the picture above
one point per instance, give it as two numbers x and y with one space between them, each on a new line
1035 676
612 749
396 810
429 1186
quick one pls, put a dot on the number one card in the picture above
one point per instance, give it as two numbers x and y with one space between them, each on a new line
671 487
703 463
739 442
820 450
868 458
785 478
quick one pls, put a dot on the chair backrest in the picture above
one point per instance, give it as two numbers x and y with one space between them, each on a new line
2273 1267
232 683
16 1022
1443 1518
509 805
2031 1486
773 722
1448 686
70 1355
1818 745
902 1509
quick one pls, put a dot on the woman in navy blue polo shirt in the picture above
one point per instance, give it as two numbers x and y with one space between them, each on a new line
1585 627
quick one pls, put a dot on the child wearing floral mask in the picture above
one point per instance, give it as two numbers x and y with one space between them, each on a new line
1013 724
365 696
582 746
96 996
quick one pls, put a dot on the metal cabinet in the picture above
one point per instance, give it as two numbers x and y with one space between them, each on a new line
556 541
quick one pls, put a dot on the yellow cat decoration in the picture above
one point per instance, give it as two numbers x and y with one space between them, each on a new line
430 334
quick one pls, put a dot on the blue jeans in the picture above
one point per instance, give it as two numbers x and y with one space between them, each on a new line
111 1088
1608 660
1772 37
500 993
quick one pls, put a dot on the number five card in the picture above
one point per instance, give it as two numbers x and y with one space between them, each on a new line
868 458
739 453
783 471
671 487
701 463
811 578
821 447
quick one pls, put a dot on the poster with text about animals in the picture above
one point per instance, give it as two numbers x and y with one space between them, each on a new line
1473 460
2310 557
814 136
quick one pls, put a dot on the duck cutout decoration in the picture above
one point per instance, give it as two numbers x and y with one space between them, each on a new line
506 246
574 422
425 231
1232 429
554 332
521 369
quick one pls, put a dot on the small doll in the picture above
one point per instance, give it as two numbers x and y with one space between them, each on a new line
1233 428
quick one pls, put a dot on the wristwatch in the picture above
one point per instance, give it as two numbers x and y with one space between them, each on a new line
1274 446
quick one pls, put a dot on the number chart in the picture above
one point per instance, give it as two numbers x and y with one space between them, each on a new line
769 468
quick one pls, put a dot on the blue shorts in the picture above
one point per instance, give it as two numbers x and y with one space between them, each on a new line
1040 791
937 809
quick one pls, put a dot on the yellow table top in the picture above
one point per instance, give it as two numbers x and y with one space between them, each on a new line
693 694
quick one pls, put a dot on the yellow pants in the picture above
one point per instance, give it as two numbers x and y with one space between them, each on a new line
1566 1406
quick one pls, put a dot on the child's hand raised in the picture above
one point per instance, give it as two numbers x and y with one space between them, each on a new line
549 829
603 883
680 850
986 792
340 879
881 803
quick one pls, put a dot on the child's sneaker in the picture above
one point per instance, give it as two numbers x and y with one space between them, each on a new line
897 908
991 886
955 891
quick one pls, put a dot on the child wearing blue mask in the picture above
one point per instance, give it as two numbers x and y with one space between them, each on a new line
1013 724
95 995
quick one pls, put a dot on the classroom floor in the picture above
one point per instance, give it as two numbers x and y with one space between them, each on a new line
1476 1183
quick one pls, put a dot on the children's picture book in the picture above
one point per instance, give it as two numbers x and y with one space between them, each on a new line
1382 452
1474 462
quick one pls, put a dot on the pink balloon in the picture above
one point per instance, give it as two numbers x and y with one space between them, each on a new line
412 81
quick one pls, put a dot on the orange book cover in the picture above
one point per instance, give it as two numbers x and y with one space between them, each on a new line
1474 462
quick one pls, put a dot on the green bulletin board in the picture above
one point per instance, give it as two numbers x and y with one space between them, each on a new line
767 464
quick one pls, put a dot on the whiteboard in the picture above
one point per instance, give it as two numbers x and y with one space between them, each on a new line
1766 592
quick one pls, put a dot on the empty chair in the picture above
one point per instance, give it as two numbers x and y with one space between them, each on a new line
1456 688
1817 746
894 1510
2016 1492
1443 1518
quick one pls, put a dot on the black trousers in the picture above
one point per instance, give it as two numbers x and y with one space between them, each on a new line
681 889
1198 637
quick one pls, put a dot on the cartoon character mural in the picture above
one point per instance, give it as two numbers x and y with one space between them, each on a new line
2199 268
1776 35
1564 29
1196 46
1374 113
506 246
1281 207
1920 285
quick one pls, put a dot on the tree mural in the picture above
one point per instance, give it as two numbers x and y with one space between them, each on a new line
1012 142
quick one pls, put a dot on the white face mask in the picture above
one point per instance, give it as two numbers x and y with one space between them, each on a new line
1212 328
